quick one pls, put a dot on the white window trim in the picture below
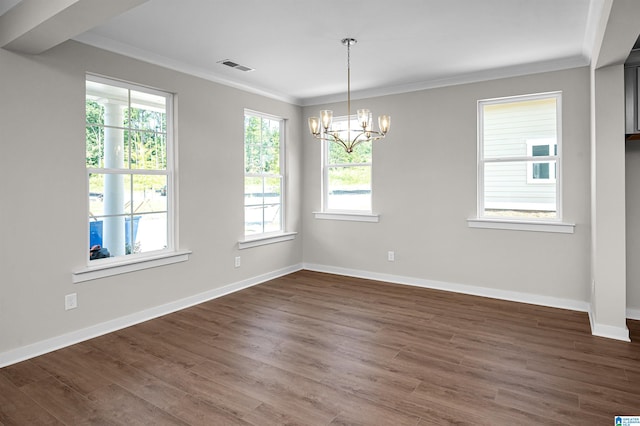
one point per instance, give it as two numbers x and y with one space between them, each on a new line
106 268
522 225
526 224
101 268
347 215
549 159
254 240
336 214
265 239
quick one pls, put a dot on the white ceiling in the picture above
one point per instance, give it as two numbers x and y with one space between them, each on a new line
294 45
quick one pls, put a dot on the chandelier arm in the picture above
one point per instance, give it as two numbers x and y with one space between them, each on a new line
335 138
342 142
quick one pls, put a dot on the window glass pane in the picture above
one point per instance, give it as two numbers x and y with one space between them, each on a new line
150 232
349 188
149 193
96 195
111 99
539 150
148 111
126 129
148 150
94 112
263 182
115 148
124 235
361 154
272 193
540 170
270 146
94 146
253 219
252 147
507 126
272 217
109 194
253 191
508 193
108 232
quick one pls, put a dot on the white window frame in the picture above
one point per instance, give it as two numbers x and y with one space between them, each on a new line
343 214
253 240
512 222
100 268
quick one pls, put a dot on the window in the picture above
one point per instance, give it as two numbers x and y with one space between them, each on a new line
519 160
263 174
543 171
129 170
346 177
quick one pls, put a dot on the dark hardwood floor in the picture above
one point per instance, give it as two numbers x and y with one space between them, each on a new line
320 349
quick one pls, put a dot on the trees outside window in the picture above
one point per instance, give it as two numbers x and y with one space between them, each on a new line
346 177
129 168
263 174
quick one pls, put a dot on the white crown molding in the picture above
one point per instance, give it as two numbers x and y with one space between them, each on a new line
124 49
492 74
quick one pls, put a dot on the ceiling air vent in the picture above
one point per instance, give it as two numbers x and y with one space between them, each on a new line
232 64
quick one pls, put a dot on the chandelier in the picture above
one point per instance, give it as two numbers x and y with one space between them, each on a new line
321 127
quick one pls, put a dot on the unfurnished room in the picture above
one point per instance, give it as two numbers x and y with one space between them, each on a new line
339 212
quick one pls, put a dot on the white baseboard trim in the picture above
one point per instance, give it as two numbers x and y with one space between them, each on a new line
608 331
39 348
513 296
633 314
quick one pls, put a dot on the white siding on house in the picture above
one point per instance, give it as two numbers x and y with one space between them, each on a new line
506 187
507 127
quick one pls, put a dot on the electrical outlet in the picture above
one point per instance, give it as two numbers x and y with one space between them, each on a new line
237 262
71 301
391 256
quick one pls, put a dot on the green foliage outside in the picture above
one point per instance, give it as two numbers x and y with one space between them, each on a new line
350 176
262 145
144 133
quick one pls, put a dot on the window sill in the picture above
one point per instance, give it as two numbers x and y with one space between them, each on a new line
93 272
355 217
522 225
266 239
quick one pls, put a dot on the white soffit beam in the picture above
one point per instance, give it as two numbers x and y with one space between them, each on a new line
619 34
34 26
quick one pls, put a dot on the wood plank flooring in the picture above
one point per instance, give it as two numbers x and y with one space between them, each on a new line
319 349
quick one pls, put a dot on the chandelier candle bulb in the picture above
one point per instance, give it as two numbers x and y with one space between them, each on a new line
384 122
327 117
364 118
314 125
350 138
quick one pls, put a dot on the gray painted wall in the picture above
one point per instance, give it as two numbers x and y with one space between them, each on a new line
424 188
424 179
633 223
43 214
